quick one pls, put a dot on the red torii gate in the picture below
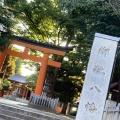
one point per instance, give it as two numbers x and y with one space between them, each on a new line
45 48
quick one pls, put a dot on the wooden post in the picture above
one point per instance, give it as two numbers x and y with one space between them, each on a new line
26 93
13 87
23 94
42 73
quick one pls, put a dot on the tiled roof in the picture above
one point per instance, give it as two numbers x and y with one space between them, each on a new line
18 78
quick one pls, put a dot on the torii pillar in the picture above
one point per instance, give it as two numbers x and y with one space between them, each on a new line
42 73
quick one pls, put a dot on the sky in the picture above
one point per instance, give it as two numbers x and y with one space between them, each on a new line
26 72
29 0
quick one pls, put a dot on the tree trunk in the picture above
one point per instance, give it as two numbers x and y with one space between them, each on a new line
64 108
61 60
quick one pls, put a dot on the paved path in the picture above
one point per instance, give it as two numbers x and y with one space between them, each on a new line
25 107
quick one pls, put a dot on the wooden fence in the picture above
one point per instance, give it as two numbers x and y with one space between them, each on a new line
43 101
111 111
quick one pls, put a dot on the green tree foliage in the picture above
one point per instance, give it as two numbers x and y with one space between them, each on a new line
6 84
84 21
32 79
36 19
18 68
98 17
31 65
6 24
69 81
9 66
89 19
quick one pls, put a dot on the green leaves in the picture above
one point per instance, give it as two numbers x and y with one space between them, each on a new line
9 66
32 80
6 84
38 17
18 68
6 24
69 80
66 90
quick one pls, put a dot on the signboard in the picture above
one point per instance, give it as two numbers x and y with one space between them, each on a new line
97 78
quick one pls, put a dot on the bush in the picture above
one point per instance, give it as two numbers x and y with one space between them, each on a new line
6 84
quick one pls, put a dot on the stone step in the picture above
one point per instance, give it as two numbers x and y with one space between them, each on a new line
27 114
18 110
17 115
7 117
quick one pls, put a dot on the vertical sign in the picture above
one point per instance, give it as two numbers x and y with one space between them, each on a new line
97 78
